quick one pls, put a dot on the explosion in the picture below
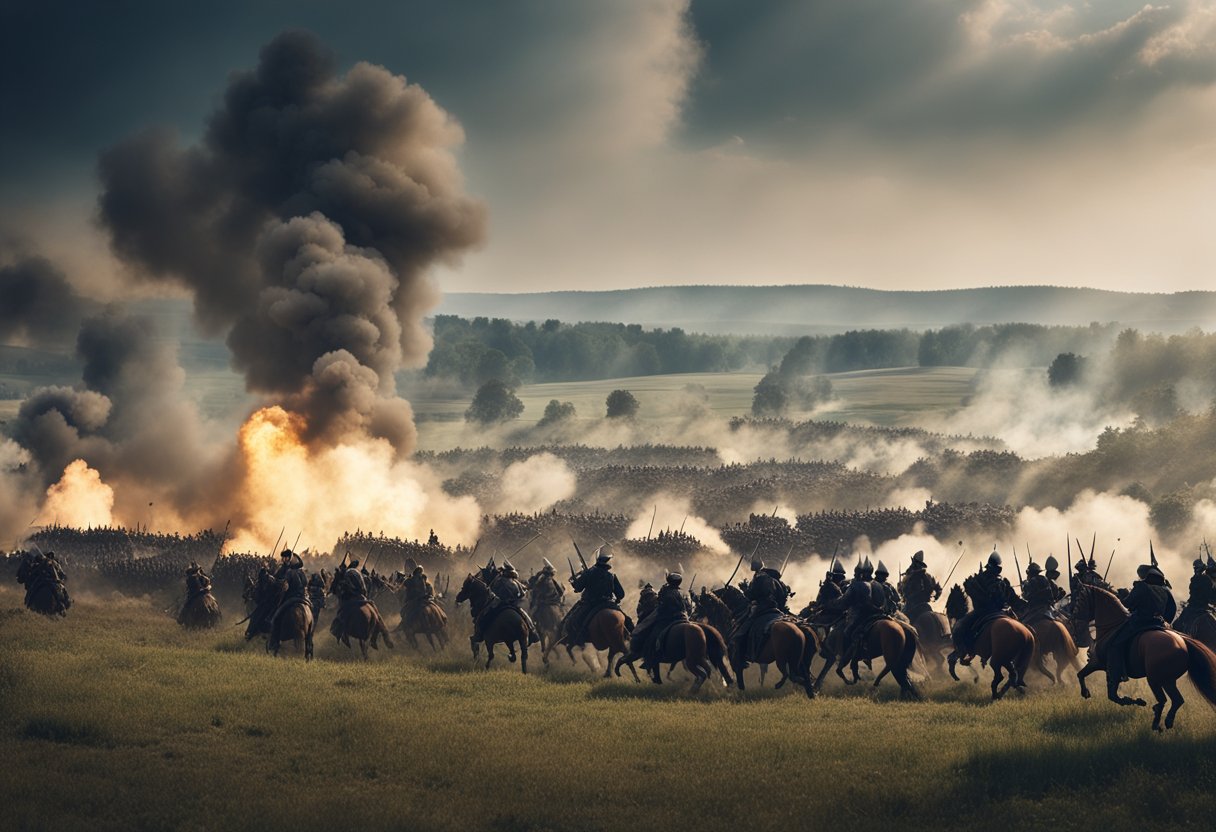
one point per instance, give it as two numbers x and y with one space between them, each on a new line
79 498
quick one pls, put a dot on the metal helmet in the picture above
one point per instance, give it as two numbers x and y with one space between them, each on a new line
354 564
1199 565
548 567
1052 564
994 560
918 556
674 578
1033 568
286 553
837 567
1081 566
867 569
881 571
603 554
757 564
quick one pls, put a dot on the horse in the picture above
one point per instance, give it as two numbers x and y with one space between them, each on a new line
548 621
294 624
508 627
893 641
1005 644
1160 656
1052 638
696 644
790 645
430 620
362 623
1203 630
933 632
201 612
42 594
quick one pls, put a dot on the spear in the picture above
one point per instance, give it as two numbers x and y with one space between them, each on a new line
740 563
785 562
579 552
571 564
475 545
297 542
1019 566
682 524
276 541
1112 559
525 546
956 563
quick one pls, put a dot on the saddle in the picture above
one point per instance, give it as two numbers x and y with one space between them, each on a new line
761 627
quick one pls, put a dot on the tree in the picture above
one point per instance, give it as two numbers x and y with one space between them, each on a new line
556 411
771 398
494 402
622 404
1066 370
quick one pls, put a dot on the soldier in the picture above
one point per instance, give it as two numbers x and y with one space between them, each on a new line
291 573
767 594
545 589
832 586
990 594
432 539
648 599
671 606
919 588
1039 594
318 582
198 585
1152 607
351 589
863 601
1052 573
598 588
509 591
893 600
1202 596
418 593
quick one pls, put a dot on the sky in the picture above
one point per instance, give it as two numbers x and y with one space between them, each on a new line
889 144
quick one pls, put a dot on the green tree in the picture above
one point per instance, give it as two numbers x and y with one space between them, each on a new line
494 402
556 411
622 405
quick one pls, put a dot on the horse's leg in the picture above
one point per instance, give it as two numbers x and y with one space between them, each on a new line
855 667
489 654
1081 674
363 648
523 655
997 678
1040 664
828 661
1158 706
608 666
884 672
763 673
1176 701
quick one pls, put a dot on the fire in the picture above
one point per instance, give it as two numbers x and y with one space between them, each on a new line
320 492
80 498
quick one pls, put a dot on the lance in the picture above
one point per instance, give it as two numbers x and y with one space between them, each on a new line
570 563
578 552
1112 559
682 524
956 563
297 543
276 541
1068 543
1019 566
475 545
692 582
775 510
785 562
223 540
652 517
740 563
1092 545
525 546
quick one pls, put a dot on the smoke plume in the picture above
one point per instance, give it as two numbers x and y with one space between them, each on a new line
41 308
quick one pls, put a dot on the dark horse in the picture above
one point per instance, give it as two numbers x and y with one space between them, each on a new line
1160 656
892 641
605 631
698 645
1004 643
43 593
430 620
200 612
508 627
294 624
790 644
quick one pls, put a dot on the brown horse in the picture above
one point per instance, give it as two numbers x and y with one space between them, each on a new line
790 644
548 621
933 633
362 623
201 612
892 641
1005 644
1160 656
699 646
1052 638
294 624
508 627
431 621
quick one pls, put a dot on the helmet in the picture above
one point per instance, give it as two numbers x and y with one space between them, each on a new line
354 563
757 564
881 571
1081 565
548 567
1033 568
418 570
1199 565
648 585
1150 574
919 557
603 554
837 567
994 560
867 570
286 553
1052 564
674 578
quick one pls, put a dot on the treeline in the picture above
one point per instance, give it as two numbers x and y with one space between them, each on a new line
477 350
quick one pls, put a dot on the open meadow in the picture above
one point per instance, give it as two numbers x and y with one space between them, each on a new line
116 718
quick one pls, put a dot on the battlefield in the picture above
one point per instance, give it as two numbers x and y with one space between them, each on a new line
657 414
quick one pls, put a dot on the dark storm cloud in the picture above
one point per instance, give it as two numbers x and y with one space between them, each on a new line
38 306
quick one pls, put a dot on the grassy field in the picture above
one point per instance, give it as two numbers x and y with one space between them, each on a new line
117 719
883 397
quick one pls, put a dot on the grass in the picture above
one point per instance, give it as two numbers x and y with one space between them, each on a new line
898 396
116 719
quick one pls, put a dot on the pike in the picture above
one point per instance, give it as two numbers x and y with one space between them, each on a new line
525 546
1112 558
276 542
578 552
652 518
1068 543
570 563
956 563
785 562
475 545
685 520
297 543
755 549
1019 567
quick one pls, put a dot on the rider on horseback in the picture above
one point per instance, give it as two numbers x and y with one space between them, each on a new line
418 593
991 595
351 589
648 599
1202 597
918 588
41 574
509 591
1052 573
1152 607
1039 594
198 585
545 590
832 586
291 573
863 602
880 577
768 595
599 588
672 606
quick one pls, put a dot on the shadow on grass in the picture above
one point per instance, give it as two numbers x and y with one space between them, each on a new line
66 731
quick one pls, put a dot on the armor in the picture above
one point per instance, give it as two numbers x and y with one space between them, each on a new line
990 593
919 589
598 588
1152 607
671 605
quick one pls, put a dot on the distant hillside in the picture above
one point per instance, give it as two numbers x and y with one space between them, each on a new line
825 309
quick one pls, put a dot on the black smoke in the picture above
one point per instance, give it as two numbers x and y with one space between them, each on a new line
38 305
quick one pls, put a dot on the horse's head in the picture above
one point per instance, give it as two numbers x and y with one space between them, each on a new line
1093 603
710 607
733 598
471 590
957 604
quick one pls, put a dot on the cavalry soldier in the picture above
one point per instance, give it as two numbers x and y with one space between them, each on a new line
418 593
1152 607
1039 594
1087 575
672 605
198 585
598 588
41 572
545 589
318 582
509 592
648 599
351 589
832 586
768 595
864 601
291 572
1052 573
880 577
1202 597
990 594
918 588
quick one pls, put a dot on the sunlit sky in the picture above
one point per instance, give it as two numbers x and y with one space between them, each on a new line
890 144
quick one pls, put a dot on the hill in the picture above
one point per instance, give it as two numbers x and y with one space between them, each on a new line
803 309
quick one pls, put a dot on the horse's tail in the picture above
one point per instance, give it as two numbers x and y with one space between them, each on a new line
1201 668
